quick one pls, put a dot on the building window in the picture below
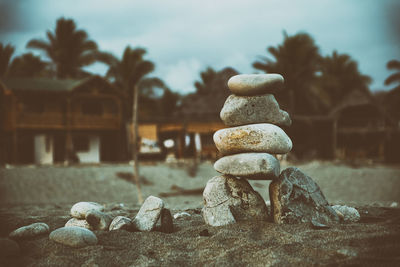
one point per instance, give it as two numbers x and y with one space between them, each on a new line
92 107
81 143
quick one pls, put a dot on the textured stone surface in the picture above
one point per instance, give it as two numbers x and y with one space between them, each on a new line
30 231
228 199
296 198
78 223
255 84
120 222
80 209
261 137
348 214
167 223
258 166
149 214
241 110
98 220
8 248
74 236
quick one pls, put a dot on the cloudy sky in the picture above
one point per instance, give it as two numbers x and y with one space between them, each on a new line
183 37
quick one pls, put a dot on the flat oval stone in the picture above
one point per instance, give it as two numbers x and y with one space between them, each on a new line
74 236
149 214
241 110
255 84
30 231
257 166
80 209
262 137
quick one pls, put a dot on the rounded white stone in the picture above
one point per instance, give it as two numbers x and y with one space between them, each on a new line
29 231
257 166
350 214
80 209
262 137
255 84
241 110
74 236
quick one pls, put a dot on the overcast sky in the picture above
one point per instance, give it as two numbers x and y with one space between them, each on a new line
183 37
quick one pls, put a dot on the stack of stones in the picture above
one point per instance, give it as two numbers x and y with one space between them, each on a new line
248 147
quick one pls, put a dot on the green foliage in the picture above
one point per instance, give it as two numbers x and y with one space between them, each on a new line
28 65
6 52
313 84
68 48
207 78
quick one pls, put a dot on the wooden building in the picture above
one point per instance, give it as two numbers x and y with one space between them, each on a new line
44 121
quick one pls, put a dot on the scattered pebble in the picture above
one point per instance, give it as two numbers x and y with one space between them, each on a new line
149 214
98 220
349 214
204 233
80 209
30 231
394 205
120 222
181 215
78 223
319 226
74 236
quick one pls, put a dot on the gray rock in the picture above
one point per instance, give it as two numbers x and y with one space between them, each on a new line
149 214
296 198
257 166
98 220
8 248
228 200
30 231
262 137
167 224
241 110
255 84
120 222
347 213
74 236
80 209
78 223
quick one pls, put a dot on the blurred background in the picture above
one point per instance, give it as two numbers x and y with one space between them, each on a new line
90 82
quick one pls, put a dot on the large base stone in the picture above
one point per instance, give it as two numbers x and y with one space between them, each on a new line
296 198
228 200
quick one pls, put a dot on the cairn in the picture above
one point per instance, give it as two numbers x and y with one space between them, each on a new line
248 147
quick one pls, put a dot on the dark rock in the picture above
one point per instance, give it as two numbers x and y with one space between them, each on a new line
204 233
296 198
167 225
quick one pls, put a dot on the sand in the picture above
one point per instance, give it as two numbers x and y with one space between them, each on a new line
45 194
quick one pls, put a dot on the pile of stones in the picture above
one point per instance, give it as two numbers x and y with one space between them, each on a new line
249 147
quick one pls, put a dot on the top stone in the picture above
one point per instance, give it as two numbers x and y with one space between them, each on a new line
255 84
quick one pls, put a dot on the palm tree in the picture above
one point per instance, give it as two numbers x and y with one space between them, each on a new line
126 74
207 78
339 76
28 65
392 98
6 52
297 59
68 48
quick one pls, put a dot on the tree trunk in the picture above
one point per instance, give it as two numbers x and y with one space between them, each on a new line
135 149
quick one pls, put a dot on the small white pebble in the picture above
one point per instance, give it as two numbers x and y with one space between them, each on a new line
181 215
394 205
